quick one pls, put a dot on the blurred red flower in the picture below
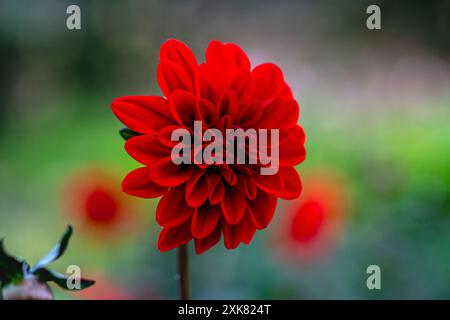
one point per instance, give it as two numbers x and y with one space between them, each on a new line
94 204
201 202
313 224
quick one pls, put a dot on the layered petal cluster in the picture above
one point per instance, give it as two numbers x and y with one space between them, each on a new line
203 202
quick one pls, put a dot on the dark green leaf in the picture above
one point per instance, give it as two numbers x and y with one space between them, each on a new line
57 250
127 133
11 268
46 275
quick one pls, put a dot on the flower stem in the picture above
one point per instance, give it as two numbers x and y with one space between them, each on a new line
183 272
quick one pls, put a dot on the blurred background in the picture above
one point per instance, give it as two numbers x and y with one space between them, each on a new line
375 106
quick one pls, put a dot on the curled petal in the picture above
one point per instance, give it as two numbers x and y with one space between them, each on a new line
229 176
242 232
239 57
139 184
172 77
226 59
233 205
246 185
172 209
173 237
269 183
183 105
203 244
262 209
279 113
204 220
197 189
228 104
164 172
165 135
243 86
207 112
250 114
269 82
219 60
251 187
217 189
292 184
208 83
143 114
146 149
292 149
179 53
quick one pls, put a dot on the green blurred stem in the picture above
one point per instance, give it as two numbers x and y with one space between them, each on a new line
183 272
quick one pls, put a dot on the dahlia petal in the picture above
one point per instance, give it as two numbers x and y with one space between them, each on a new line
220 60
269 183
207 112
218 193
179 53
279 113
246 185
146 149
228 104
240 59
216 187
250 114
262 209
226 59
248 227
208 83
204 220
165 135
286 91
173 237
241 183
251 187
233 205
172 209
183 105
164 172
268 80
172 77
143 114
139 184
292 184
292 150
197 189
203 244
229 176
242 232
243 85
224 123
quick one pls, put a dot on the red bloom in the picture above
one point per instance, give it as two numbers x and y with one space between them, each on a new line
312 225
92 200
201 201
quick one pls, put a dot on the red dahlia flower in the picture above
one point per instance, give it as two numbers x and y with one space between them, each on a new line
202 202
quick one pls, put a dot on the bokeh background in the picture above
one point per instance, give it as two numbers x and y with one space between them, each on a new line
375 106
